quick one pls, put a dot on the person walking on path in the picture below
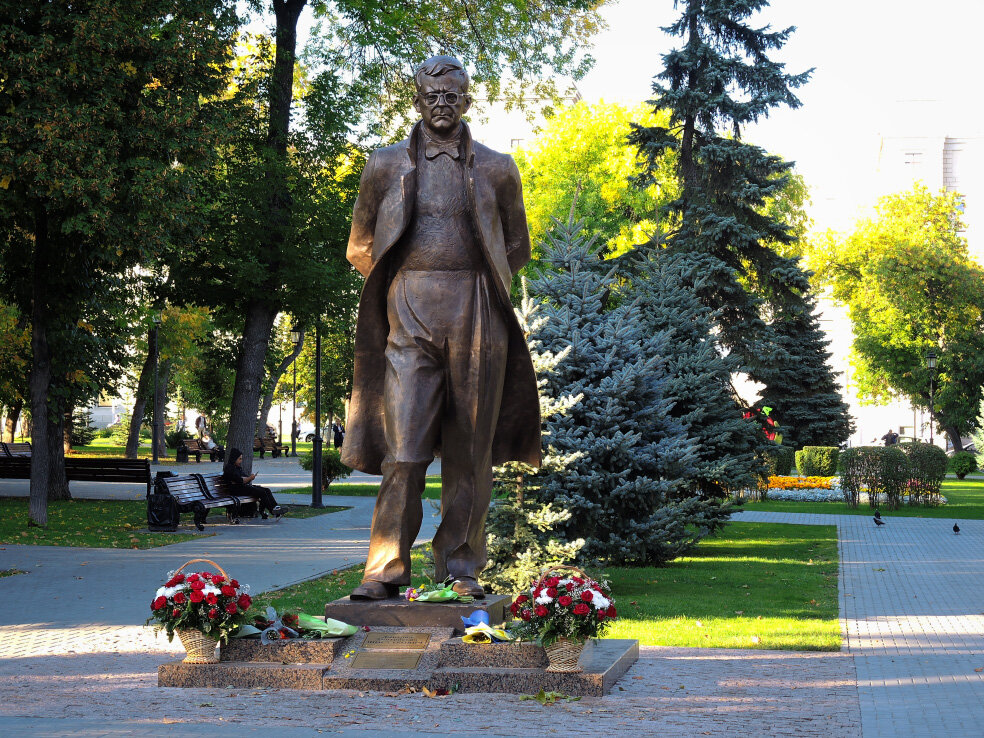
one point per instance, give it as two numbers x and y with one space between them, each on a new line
232 472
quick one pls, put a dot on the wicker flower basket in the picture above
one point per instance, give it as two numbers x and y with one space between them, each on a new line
564 654
200 647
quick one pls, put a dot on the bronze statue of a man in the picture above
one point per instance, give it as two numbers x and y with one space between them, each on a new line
441 364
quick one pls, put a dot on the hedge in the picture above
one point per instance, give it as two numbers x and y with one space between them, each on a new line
963 463
880 469
817 461
927 470
778 460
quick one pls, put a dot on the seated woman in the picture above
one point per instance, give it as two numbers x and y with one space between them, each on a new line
232 472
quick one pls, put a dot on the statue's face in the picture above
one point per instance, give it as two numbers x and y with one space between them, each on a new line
441 102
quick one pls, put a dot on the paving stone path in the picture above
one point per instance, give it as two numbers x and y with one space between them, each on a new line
912 611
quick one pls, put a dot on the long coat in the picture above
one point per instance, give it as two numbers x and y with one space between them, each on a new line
383 211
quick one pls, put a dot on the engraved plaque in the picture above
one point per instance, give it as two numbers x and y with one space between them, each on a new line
396 641
385 660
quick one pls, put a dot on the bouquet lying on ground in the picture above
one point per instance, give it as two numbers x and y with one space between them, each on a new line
274 627
571 606
201 601
442 592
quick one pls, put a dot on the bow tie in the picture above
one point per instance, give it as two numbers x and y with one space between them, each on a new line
435 148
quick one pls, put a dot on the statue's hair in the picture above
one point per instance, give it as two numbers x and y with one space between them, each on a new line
438 66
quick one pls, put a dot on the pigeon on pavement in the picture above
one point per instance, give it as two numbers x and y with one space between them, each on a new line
878 521
956 529
878 514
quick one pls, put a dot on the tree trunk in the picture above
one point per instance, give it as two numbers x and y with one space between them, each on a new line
57 481
249 378
259 314
10 423
954 437
160 405
273 381
140 401
67 430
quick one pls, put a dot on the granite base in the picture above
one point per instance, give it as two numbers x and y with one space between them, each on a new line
445 662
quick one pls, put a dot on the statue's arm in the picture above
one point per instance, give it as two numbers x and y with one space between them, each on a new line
359 252
513 213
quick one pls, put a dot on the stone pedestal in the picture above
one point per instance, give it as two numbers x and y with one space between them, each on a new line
396 611
388 658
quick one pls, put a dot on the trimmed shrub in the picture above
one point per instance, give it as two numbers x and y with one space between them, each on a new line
778 460
817 461
927 470
880 470
963 463
173 438
332 467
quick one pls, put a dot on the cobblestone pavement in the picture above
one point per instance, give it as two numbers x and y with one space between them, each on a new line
912 614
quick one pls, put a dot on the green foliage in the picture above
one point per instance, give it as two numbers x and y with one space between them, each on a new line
623 483
698 369
173 438
910 286
817 461
878 469
580 165
120 431
927 470
719 81
962 463
332 467
82 431
778 460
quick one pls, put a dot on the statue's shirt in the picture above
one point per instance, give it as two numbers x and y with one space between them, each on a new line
440 236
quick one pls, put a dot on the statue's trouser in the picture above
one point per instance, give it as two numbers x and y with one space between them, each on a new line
445 368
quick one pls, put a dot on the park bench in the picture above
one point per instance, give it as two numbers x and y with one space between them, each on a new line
267 444
196 449
84 470
15 449
199 493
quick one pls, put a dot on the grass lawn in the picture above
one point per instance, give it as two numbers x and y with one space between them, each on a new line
965 501
432 491
102 524
752 586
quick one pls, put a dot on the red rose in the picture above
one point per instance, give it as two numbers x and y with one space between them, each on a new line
231 608
196 596
514 608
233 582
577 580
586 595
175 612
540 611
198 584
551 581
525 615
176 579
211 599
205 574
552 592
217 579
581 609
228 591
192 577
179 598
290 620
611 612
601 614
521 599
564 601
284 633
244 602
158 603
213 613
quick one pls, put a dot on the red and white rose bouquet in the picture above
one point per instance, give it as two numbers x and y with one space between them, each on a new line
203 601
571 606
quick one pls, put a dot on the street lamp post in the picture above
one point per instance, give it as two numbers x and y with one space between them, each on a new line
155 431
295 337
931 365
316 480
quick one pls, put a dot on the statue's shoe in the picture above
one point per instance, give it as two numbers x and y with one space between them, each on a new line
372 590
468 586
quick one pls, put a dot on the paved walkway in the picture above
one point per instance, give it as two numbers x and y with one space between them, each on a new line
912 614
75 660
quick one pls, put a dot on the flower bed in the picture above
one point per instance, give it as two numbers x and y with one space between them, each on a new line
807 483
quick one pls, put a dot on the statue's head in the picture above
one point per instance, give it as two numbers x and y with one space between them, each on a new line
442 94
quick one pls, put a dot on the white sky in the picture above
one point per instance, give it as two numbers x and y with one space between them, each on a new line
874 60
